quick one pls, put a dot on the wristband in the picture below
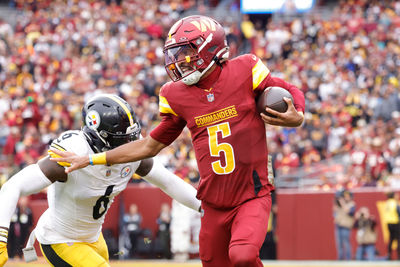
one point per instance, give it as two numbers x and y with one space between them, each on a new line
97 159
3 234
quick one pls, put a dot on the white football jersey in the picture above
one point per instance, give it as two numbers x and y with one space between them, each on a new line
77 207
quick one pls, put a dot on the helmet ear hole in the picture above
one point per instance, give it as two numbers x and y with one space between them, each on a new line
91 133
212 49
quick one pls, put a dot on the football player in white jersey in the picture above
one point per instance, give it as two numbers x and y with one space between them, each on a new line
69 231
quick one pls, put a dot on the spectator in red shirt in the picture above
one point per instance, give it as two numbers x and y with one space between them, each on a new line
287 161
376 162
310 155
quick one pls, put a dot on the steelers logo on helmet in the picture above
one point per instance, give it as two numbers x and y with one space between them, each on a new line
92 119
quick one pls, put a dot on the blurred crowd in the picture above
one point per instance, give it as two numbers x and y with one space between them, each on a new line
348 66
60 53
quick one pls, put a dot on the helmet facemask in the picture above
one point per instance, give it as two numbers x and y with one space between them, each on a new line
113 140
182 61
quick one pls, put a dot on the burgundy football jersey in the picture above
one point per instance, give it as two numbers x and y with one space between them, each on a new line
228 134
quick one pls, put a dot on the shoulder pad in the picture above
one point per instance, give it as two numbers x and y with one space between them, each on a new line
72 141
163 105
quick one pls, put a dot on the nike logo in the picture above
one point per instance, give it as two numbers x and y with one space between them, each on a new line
1 252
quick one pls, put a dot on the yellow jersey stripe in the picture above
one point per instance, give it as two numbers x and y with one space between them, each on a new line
56 146
54 155
260 71
164 107
124 107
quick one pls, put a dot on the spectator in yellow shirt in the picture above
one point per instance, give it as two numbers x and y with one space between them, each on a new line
392 217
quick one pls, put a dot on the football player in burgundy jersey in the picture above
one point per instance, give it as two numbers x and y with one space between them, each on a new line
215 98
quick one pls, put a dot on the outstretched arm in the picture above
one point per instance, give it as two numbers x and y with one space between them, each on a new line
155 173
129 152
134 151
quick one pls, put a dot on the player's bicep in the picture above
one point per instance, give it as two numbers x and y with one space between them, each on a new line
52 170
67 141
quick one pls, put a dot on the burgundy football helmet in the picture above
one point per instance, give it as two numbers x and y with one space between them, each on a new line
194 44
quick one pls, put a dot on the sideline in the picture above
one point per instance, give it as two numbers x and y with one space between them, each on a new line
196 263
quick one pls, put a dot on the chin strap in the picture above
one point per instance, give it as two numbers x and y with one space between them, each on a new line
194 77
220 59
98 145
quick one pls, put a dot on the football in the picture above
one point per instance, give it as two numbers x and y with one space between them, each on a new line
272 97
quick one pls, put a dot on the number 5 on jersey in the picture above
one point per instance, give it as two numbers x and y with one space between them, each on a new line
216 147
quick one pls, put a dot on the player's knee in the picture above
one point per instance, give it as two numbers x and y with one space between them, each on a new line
243 255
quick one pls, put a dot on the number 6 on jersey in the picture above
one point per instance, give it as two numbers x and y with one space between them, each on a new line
216 148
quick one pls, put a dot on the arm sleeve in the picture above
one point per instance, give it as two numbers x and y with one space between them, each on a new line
28 181
168 130
173 186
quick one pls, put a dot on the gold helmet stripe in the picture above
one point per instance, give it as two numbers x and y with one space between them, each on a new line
124 107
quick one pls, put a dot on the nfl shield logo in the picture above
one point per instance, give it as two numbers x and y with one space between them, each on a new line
108 173
210 97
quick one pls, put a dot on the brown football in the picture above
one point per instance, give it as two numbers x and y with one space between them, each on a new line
272 97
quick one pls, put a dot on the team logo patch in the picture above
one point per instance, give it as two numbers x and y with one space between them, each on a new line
92 119
126 171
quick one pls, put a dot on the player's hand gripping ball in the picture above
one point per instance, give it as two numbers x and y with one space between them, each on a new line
272 97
